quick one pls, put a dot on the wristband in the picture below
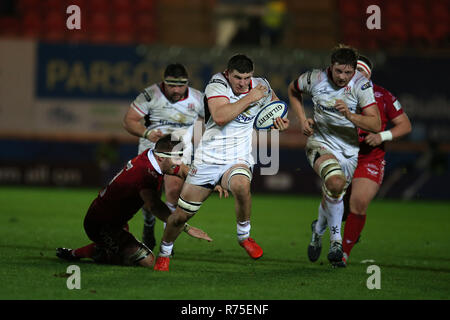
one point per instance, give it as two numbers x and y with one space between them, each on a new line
386 135
146 133
186 227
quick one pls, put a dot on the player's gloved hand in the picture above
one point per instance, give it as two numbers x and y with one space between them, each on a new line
342 107
196 233
308 127
221 191
373 139
280 124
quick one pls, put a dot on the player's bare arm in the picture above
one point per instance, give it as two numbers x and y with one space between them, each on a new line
402 126
154 204
296 103
223 111
132 123
368 120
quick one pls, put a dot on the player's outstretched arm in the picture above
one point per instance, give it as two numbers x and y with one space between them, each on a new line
296 103
402 126
132 123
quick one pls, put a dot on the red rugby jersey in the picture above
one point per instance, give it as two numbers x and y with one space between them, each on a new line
389 108
120 200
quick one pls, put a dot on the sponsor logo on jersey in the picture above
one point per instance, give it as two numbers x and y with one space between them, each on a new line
191 106
366 85
147 95
242 118
347 90
330 109
218 81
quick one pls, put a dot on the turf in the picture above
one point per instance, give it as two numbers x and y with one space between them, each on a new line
409 241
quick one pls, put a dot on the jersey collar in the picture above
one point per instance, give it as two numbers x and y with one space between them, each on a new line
153 161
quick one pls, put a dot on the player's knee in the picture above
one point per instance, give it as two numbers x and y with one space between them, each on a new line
240 187
358 206
335 186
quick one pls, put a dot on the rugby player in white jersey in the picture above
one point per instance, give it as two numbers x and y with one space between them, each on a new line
223 156
343 101
169 107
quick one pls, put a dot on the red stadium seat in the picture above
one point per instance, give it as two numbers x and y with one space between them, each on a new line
144 6
123 28
54 27
99 28
9 26
99 6
26 6
32 25
350 9
122 6
396 34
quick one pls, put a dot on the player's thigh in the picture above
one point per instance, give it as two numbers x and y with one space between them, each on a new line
362 193
191 192
172 187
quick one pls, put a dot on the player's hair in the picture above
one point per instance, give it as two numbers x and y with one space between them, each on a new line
366 61
343 54
241 63
166 143
176 70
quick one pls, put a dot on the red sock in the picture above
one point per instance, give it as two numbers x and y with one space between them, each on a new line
84 252
353 227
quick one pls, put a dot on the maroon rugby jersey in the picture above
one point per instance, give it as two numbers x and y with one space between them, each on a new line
389 108
120 200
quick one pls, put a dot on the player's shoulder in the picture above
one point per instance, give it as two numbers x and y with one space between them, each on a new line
218 79
149 93
313 76
197 94
381 91
360 81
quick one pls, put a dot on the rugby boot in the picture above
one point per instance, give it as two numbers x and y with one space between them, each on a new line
252 248
336 254
66 254
315 246
162 264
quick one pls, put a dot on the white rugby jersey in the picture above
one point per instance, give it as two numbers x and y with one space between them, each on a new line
233 141
332 128
178 117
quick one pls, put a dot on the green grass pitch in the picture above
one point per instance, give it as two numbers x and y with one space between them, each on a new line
409 241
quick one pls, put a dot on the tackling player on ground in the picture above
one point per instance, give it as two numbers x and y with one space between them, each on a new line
170 107
223 156
343 100
137 185
369 173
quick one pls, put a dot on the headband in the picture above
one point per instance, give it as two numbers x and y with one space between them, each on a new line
168 154
176 81
365 66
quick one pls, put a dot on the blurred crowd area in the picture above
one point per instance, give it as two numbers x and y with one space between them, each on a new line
317 24
64 92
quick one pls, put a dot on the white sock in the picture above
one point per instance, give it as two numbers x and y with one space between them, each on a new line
165 249
321 225
243 230
335 209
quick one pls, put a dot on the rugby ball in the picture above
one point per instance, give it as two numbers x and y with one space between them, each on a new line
265 117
